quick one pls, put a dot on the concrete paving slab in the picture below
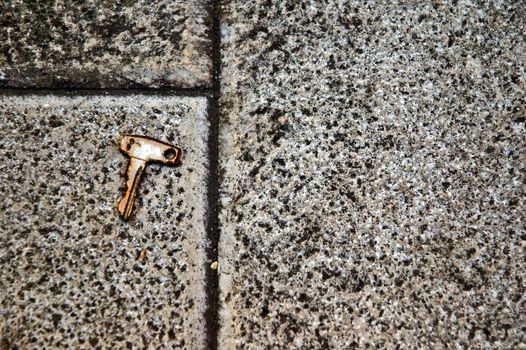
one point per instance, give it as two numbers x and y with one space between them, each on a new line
374 175
110 44
74 275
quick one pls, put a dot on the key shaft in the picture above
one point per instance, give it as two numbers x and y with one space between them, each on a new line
134 175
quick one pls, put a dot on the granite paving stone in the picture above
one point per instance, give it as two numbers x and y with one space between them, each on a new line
109 44
74 275
374 172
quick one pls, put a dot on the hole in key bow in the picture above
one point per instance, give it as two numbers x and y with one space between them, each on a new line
169 153
130 143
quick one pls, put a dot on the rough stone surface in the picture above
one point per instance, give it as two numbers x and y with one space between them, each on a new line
123 43
74 275
374 158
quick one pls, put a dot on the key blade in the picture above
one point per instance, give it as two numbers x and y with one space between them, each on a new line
134 174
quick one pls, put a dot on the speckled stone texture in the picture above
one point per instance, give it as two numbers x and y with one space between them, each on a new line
74 275
102 43
374 158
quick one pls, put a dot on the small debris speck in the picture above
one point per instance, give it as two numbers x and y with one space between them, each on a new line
142 256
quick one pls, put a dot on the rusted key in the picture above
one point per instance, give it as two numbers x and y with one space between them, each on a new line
142 149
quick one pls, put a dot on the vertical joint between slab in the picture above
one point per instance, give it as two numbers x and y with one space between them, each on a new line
213 231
